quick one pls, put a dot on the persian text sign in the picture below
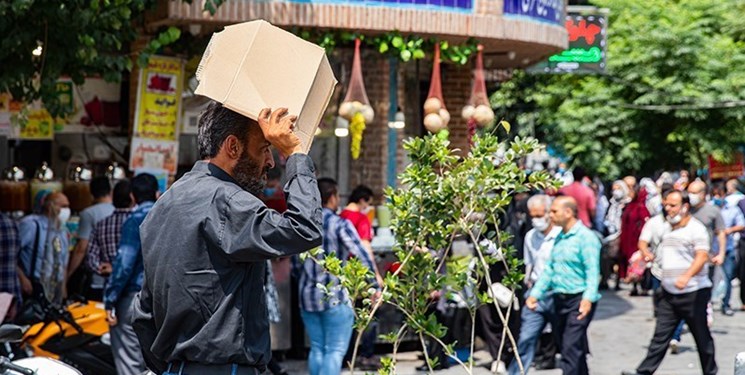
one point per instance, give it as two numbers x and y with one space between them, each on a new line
718 170
159 99
39 125
435 5
586 52
551 11
153 154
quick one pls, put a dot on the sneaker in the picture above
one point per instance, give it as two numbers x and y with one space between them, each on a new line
498 367
674 346
728 311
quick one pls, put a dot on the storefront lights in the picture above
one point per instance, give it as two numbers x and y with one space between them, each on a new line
399 122
342 127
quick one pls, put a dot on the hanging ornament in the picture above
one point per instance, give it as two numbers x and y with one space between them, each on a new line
436 116
356 107
478 108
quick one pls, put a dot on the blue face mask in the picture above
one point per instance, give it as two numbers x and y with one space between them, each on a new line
719 202
269 192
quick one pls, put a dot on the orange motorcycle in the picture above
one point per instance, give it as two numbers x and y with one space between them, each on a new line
77 334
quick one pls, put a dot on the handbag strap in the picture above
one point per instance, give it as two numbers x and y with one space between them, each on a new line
35 252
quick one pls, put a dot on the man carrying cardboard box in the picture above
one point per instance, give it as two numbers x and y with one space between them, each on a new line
202 309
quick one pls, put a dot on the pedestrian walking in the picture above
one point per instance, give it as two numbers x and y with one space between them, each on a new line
10 244
686 288
571 273
634 215
539 243
583 195
126 279
734 223
328 316
202 308
45 250
105 237
80 280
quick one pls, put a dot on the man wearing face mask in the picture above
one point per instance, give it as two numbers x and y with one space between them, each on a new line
203 308
45 249
686 288
572 273
539 242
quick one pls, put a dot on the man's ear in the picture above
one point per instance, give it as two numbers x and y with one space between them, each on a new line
232 147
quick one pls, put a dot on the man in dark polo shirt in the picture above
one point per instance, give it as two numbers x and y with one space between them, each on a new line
202 309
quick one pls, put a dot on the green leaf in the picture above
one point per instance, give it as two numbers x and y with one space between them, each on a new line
505 125
383 47
406 55
397 42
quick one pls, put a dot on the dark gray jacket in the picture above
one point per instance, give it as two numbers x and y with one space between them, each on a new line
204 244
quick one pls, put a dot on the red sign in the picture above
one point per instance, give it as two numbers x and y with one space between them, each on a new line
718 170
582 30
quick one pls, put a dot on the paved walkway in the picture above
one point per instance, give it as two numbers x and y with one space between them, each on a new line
619 336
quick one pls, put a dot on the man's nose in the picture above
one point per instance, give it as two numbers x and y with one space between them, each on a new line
270 161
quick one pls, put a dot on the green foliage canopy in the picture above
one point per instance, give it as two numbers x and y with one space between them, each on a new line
673 92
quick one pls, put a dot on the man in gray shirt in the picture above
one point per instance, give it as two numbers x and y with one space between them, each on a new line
202 308
102 208
709 215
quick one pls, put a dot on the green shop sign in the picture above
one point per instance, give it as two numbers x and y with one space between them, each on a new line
586 52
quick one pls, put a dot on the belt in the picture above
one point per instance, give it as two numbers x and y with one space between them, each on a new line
191 368
564 296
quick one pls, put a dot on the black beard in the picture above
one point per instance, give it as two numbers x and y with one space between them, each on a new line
249 175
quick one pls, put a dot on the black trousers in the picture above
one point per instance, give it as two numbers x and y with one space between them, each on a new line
491 331
672 308
574 346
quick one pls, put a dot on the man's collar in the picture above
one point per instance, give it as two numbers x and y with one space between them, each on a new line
219 173
573 229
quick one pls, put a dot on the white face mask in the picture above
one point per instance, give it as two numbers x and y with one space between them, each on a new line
695 199
677 218
540 223
618 195
64 215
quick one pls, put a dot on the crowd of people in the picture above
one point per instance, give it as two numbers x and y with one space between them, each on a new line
676 239
186 277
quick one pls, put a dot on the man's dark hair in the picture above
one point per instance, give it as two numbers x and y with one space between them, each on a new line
361 193
328 188
100 187
216 124
683 195
718 188
144 188
579 174
122 191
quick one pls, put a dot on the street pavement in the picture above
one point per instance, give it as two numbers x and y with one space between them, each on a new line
619 337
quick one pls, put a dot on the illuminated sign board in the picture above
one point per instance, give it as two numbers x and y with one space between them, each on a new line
441 5
586 52
550 11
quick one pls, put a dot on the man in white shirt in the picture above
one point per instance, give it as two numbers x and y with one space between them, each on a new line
537 249
686 288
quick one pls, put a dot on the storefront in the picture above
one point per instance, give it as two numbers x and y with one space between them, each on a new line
148 122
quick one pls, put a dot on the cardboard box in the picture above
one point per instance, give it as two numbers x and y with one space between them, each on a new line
255 65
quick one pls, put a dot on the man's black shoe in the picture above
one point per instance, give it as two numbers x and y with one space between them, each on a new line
424 368
545 365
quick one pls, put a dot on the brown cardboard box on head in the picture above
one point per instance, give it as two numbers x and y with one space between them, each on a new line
254 65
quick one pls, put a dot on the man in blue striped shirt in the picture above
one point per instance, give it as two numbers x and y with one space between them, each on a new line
328 315
572 273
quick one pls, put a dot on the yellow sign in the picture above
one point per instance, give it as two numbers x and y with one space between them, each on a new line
159 99
39 125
